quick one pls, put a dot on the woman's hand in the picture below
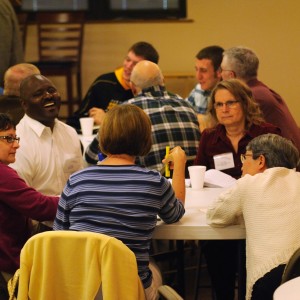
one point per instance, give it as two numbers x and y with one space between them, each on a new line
176 156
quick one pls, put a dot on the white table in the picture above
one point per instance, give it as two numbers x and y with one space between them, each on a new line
289 290
193 226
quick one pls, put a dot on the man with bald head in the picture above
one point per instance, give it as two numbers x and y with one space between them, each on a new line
10 100
50 150
174 122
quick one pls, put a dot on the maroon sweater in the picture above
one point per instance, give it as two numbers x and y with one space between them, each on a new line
19 203
214 141
275 110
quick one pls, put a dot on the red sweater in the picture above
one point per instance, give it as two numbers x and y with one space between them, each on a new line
19 203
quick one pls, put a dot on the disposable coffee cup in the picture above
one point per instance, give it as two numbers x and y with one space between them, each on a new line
87 125
197 174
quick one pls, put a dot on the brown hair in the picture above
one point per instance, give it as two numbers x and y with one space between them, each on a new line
126 129
243 94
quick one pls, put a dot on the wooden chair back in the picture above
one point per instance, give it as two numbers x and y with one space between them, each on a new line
60 36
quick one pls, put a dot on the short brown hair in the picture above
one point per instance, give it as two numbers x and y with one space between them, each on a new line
145 50
126 129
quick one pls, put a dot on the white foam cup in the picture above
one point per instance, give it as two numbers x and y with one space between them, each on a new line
197 174
87 125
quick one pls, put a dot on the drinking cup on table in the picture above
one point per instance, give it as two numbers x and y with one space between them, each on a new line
87 125
197 174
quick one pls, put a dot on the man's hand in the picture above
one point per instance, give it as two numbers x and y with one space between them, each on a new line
98 114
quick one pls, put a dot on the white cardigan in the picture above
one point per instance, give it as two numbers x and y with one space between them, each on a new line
269 203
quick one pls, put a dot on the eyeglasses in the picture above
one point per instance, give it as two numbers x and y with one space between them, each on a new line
243 157
10 139
228 104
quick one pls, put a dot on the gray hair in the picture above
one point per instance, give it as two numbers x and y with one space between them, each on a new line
278 151
242 61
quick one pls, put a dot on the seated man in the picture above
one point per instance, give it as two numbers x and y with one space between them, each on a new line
208 74
174 122
112 88
50 150
10 100
267 197
242 63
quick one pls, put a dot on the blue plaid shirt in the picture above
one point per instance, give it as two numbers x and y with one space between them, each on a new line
198 98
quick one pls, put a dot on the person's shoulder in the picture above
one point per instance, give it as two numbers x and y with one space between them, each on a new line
106 77
7 172
66 127
265 127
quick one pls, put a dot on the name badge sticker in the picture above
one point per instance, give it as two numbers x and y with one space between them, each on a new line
224 161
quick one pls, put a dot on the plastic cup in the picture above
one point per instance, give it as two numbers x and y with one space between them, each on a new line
87 125
197 174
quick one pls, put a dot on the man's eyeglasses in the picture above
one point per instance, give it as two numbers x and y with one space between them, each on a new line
228 104
243 157
10 139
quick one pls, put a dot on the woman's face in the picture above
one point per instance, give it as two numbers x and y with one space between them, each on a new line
8 150
229 111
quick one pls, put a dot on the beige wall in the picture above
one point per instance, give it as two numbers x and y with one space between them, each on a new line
269 27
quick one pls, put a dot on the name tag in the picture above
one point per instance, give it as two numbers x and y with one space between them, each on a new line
224 161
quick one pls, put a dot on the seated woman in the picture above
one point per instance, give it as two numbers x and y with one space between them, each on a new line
239 121
18 203
121 199
268 199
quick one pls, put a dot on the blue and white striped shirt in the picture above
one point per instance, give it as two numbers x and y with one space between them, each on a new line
119 201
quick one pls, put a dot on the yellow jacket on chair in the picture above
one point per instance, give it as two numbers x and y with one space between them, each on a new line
70 265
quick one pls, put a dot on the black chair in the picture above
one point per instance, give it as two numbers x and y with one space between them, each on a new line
292 269
60 36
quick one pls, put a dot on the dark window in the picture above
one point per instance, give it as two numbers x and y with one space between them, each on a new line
113 9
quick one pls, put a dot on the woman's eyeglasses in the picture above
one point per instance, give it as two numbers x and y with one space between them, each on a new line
228 104
10 139
243 157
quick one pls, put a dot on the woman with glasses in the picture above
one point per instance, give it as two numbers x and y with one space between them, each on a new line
239 121
267 197
18 204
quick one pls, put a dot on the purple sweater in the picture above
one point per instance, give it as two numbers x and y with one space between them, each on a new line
19 203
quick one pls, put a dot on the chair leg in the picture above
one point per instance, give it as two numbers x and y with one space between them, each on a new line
198 272
70 100
79 88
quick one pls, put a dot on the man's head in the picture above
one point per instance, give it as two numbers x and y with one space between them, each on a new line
40 99
239 62
207 67
269 151
137 52
14 76
144 75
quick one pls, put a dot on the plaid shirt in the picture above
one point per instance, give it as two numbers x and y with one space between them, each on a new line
198 98
174 123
